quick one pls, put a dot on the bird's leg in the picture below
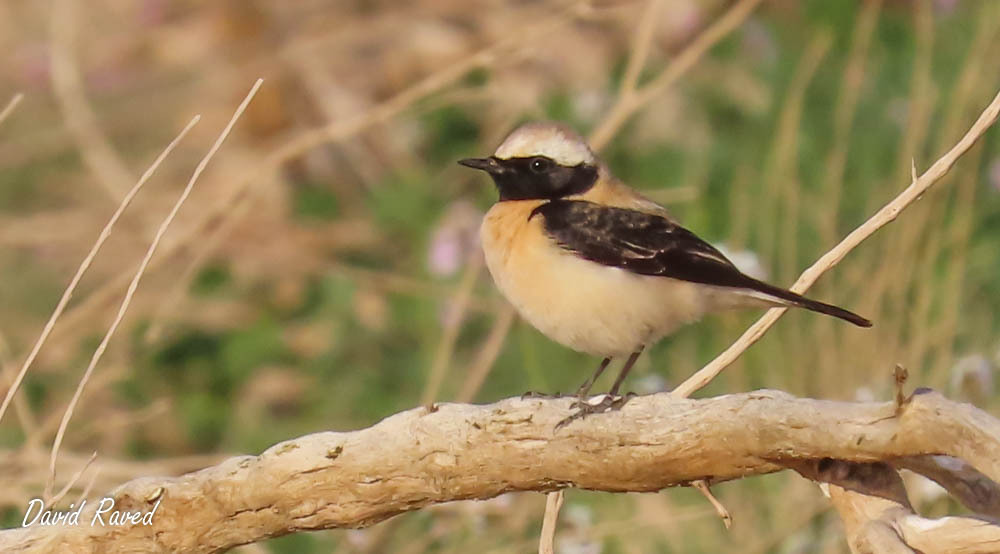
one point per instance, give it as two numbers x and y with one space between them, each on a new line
625 369
611 401
584 389
581 393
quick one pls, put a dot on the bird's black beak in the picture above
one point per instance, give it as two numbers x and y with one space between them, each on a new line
488 165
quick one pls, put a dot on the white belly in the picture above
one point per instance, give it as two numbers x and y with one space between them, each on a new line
584 305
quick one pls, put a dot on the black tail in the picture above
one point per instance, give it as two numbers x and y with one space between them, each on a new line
792 299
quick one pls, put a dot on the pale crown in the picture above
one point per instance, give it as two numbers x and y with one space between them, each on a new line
552 140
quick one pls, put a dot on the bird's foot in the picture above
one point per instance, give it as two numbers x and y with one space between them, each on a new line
535 394
607 404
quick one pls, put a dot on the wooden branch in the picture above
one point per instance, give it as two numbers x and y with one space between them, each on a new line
976 491
877 525
869 522
460 451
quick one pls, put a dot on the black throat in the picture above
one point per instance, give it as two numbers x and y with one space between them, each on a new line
540 178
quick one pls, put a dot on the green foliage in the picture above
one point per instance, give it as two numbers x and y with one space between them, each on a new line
451 133
213 278
404 205
315 203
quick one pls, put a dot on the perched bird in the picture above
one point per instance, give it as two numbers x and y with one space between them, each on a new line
596 266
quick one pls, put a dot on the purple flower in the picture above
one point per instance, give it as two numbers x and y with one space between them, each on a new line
454 240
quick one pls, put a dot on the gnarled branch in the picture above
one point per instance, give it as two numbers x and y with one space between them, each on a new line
460 451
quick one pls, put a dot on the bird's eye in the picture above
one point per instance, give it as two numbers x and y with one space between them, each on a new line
539 165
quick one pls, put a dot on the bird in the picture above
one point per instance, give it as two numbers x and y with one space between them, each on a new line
595 265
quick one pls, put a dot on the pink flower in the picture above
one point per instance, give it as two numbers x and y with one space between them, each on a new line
945 6
33 62
455 239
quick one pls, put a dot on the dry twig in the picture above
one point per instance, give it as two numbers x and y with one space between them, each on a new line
67 84
134 285
11 106
85 264
553 503
632 99
480 367
457 308
702 486
884 216
76 477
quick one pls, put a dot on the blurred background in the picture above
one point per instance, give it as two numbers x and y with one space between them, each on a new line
325 272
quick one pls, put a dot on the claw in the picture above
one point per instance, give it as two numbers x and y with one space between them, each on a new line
607 404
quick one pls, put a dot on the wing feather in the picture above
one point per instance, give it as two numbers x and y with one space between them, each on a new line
650 244
640 242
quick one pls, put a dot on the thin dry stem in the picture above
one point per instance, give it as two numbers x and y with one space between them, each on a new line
26 469
29 424
174 300
843 115
974 75
629 104
702 486
338 130
164 225
11 106
640 48
85 264
781 174
788 170
553 503
844 112
780 206
884 216
90 485
67 85
903 245
480 368
952 245
457 308
69 484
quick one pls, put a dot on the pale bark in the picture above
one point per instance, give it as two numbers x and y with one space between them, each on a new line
460 451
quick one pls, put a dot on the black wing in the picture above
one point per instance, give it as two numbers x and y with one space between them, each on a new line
642 243
649 244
